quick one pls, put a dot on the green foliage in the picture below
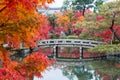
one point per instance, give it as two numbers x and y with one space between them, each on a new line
81 4
87 36
66 5
92 24
97 4
105 67
52 36
107 48
71 37
78 4
108 9
51 18
78 71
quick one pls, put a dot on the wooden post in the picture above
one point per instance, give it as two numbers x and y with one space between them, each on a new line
54 52
81 53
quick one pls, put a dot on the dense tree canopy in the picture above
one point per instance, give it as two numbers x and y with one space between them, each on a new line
102 25
20 22
81 5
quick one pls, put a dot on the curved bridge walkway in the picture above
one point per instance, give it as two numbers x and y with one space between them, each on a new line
55 43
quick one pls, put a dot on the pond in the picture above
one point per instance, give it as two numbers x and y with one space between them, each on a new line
98 69
94 70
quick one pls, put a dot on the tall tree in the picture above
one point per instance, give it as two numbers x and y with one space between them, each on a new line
78 5
112 16
82 5
105 24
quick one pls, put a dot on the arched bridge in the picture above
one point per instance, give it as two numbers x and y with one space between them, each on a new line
55 43
68 42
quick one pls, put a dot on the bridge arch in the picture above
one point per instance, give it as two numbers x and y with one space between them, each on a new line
55 43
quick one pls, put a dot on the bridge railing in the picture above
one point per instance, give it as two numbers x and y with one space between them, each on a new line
71 42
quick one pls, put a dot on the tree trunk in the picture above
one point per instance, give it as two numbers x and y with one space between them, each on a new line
112 39
83 12
113 31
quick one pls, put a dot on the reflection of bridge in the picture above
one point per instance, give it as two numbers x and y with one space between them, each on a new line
55 43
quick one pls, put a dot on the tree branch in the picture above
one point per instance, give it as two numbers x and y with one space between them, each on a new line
3 8
83 12
111 28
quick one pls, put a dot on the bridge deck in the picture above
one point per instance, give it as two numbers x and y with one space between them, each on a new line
68 42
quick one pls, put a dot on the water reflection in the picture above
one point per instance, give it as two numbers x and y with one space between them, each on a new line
79 71
95 70
67 71
54 74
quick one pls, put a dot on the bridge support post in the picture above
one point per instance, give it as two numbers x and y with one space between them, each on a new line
81 52
55 52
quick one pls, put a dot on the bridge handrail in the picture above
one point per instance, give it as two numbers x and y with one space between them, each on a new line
68 42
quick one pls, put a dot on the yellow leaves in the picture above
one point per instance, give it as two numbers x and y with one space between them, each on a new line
63 19
66 19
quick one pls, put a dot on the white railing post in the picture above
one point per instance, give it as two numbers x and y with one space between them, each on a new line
81 52
54 52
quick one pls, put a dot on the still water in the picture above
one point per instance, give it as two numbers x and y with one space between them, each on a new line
96 70
91 70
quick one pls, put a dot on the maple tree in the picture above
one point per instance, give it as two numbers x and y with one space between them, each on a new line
62 20
20 22
101 24
65 22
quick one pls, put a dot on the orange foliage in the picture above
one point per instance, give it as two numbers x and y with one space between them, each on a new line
33 64
20 22
67 19
63 20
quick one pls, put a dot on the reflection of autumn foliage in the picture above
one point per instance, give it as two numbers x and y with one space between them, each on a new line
48 51
107 76
103 76
107 70
87 54
68 52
